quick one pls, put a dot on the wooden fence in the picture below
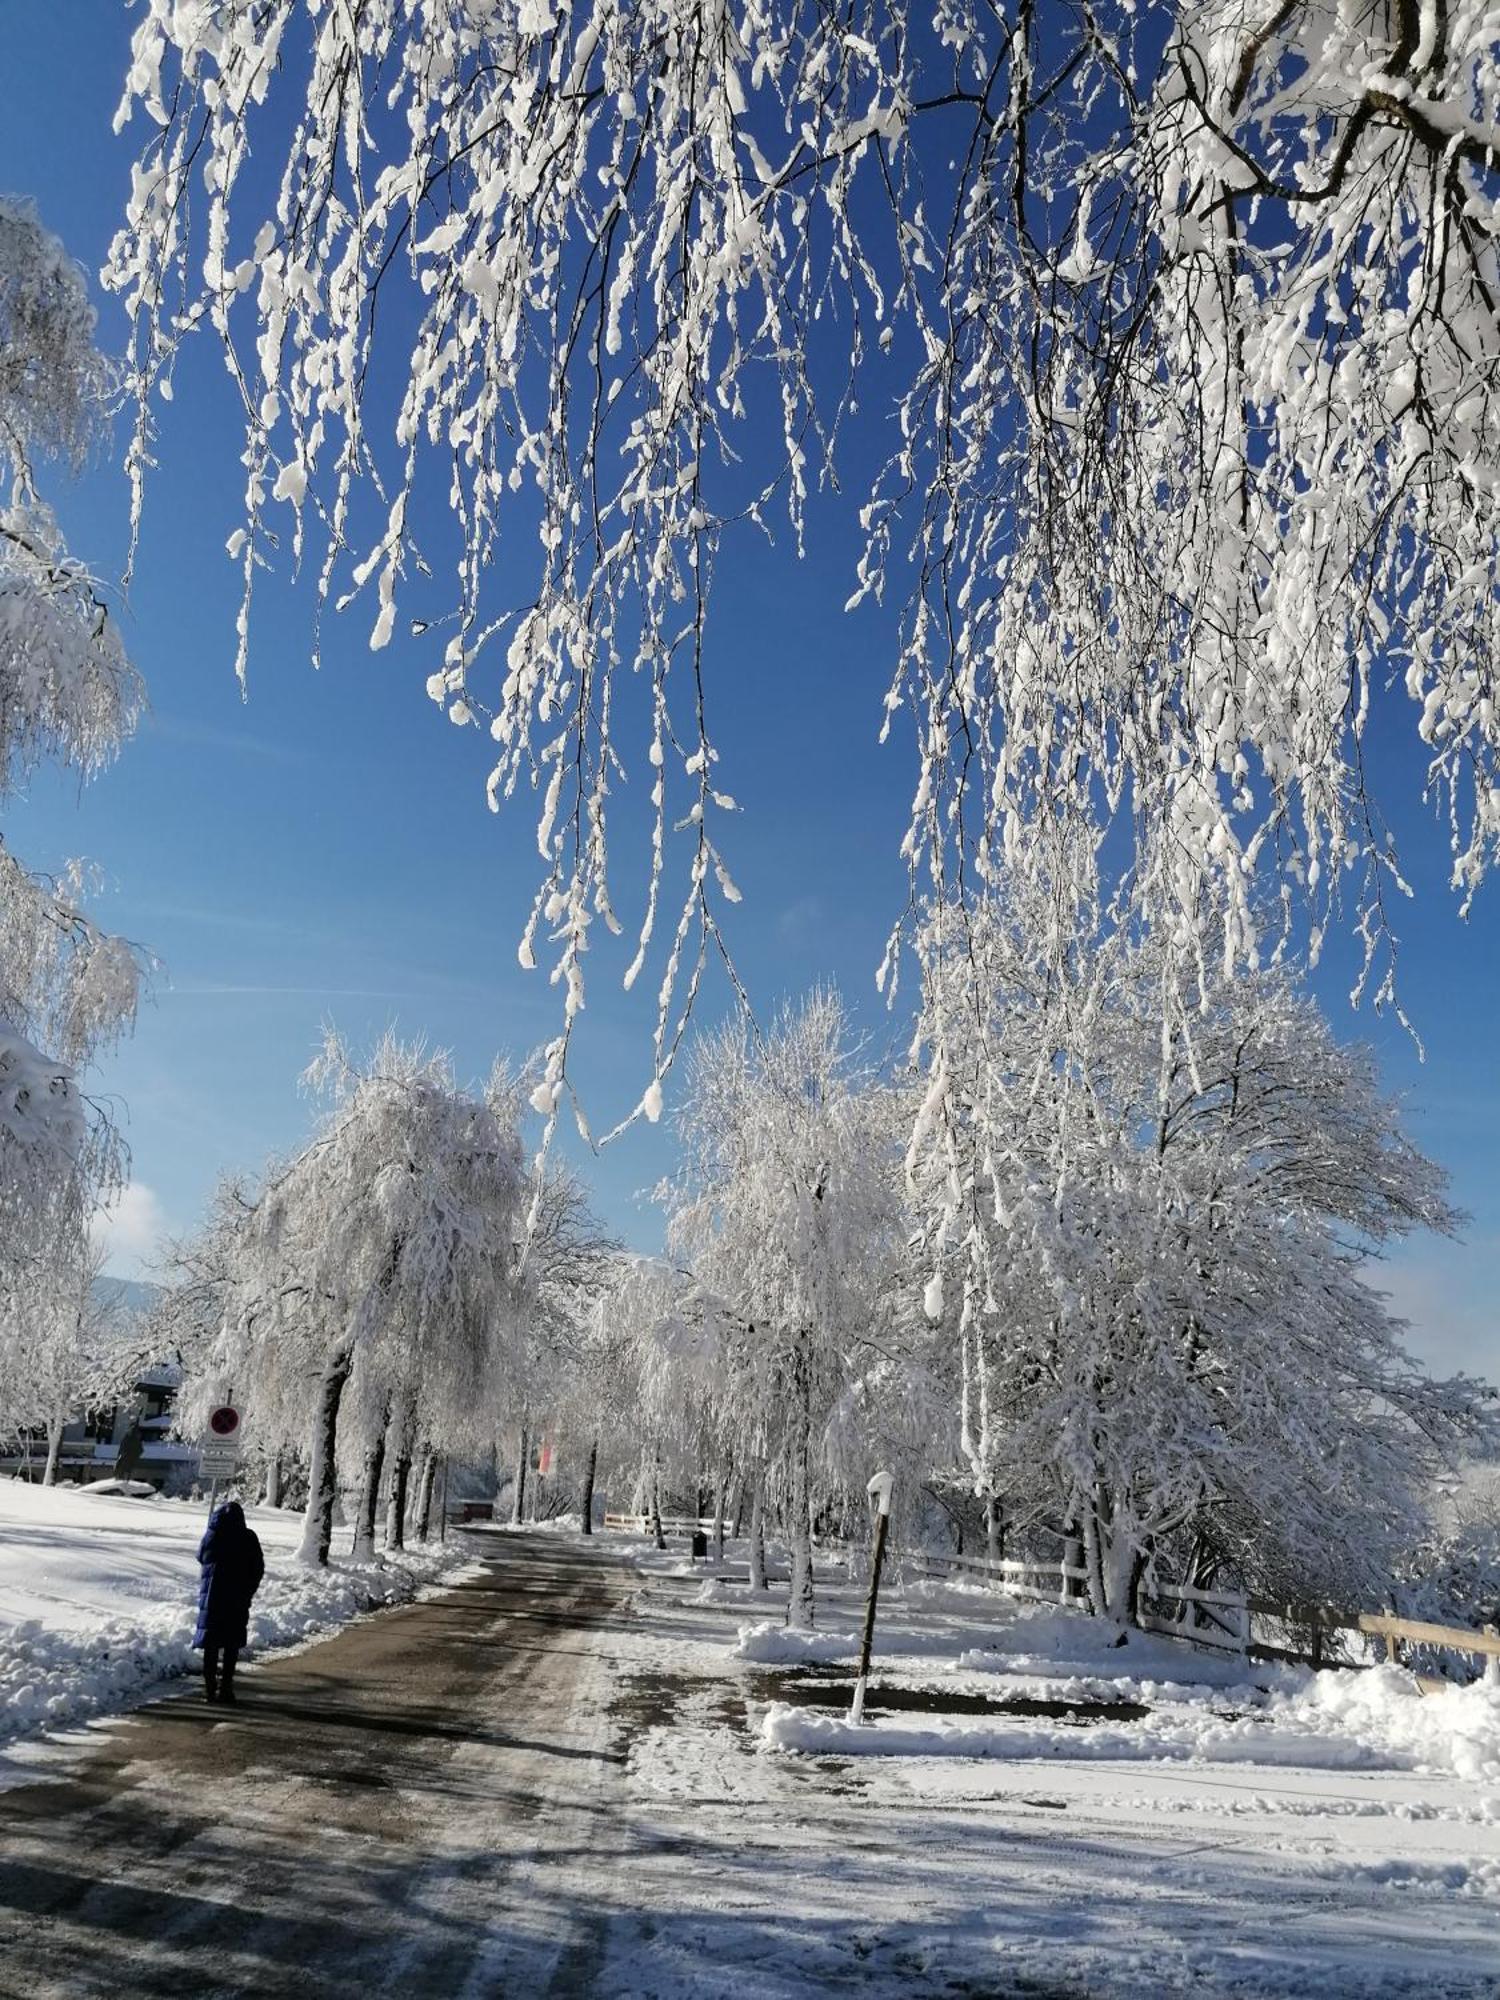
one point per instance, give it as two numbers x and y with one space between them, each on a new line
1219 1618
671 1524
1225 1620
1047 1583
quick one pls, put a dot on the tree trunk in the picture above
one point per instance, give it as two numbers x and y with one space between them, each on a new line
395 1513
994 1529
1093 1563
1072 1556
588 1487
369 1500
398 1445
721 1494
1112 1561
518 1503
322 1477
426 1480
1133 1588
758 1580
54 1450
799 1611
657 1536
272 1495
739 1506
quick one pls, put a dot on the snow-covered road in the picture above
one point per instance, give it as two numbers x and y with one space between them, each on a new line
553 1780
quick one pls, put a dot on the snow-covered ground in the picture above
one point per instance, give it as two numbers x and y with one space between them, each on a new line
98 1595
1038 1807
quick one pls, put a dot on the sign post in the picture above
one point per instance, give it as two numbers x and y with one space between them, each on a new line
879 1490
220 1457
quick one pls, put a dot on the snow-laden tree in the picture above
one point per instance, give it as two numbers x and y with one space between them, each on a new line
565 1265
1451 1573
1151 1233
67 693
631 1389
787 1211
1186 311
63 1355
186 1318
597 1413
387 1253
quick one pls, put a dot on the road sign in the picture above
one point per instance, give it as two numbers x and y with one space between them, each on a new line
225 1424
215 1462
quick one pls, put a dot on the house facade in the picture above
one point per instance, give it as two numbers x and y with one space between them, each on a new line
130 1439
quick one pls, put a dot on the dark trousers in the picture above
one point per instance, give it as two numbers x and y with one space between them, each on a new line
217 1679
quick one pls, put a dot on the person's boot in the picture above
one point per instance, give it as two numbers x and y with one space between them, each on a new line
226 1682
210 1682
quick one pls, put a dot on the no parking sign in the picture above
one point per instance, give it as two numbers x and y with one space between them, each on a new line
219 1457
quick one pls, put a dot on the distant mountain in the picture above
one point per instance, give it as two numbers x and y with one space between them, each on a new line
133 1293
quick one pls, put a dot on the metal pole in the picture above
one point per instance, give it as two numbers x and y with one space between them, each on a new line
879 1490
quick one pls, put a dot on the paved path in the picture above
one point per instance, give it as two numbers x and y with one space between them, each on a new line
362 1823
547 1782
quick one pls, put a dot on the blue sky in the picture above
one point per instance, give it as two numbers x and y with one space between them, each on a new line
323 851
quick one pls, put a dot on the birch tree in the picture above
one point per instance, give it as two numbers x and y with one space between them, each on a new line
1185 311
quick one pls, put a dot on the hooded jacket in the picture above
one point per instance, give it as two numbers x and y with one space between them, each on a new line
232 1567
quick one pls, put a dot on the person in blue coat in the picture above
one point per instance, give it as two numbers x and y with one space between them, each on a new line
232 1567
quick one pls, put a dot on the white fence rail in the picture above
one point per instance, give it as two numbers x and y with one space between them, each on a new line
671 1524
1047 1583
1219 1618
1223 1619
1208 1617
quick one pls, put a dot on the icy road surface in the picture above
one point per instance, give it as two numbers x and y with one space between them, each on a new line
550 1780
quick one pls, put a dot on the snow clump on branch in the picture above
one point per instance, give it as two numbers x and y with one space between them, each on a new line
1186 312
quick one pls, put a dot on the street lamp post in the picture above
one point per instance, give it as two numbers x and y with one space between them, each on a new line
879 1490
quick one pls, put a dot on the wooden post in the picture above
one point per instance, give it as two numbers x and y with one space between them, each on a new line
518 1500
587 1511
879 1490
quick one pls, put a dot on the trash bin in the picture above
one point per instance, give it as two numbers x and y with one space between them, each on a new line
700 1545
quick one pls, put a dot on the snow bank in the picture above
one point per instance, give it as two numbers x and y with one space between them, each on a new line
780 1645
1040 1640
1331 1721
98 1595
1455 1730
1159 1739
1177 1673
